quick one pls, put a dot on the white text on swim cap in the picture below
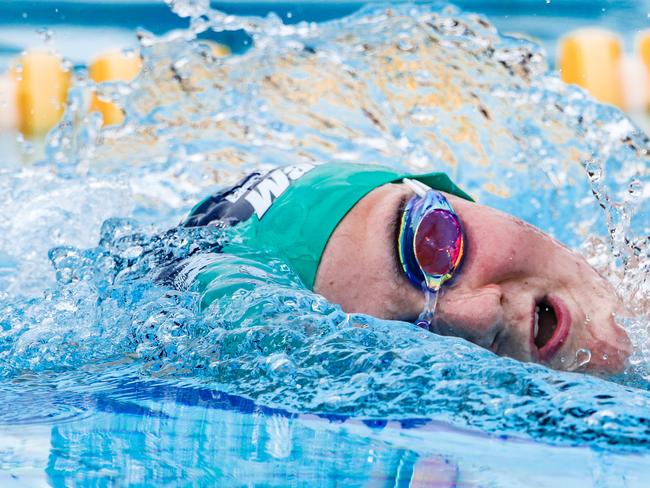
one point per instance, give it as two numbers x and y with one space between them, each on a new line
262 196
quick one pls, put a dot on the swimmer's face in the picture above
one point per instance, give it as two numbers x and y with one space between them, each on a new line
515 281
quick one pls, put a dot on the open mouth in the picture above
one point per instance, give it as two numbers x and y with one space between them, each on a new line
551 323
545 323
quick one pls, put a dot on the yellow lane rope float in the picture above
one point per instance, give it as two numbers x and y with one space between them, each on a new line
113 66
591 58
41 86
34 91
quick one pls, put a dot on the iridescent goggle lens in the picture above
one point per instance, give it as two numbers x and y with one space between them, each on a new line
431 239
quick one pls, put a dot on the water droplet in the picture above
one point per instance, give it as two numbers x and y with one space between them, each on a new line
594 170
635 188
280 363
45 34
18 70
132 252
189 8
583 357
404 43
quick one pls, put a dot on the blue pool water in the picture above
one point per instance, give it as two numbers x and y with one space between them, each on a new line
109 379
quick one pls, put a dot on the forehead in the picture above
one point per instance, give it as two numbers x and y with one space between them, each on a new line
385 198
378 212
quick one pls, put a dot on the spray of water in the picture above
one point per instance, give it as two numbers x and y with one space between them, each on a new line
414 88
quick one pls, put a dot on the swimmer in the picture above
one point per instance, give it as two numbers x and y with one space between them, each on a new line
391 245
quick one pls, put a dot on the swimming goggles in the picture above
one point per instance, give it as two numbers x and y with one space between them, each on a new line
430 241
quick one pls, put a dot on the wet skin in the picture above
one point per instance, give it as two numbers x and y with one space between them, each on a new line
510 272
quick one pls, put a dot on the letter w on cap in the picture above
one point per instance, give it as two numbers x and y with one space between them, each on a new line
262 196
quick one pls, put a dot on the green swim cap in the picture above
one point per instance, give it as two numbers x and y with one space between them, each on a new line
293 211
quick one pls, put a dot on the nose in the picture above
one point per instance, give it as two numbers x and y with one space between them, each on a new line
475 315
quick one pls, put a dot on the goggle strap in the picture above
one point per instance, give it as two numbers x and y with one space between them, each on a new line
419 188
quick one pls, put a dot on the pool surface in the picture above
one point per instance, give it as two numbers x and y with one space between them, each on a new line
108 378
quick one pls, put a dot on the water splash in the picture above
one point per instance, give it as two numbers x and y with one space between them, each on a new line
282 346
414 88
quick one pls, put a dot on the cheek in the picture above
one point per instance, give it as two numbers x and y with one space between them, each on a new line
504 249
361 280
398 300
489 255
338 272
375 290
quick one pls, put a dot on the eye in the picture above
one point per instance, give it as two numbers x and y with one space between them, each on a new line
393 230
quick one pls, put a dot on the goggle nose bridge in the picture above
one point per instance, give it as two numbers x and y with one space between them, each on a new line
419 188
